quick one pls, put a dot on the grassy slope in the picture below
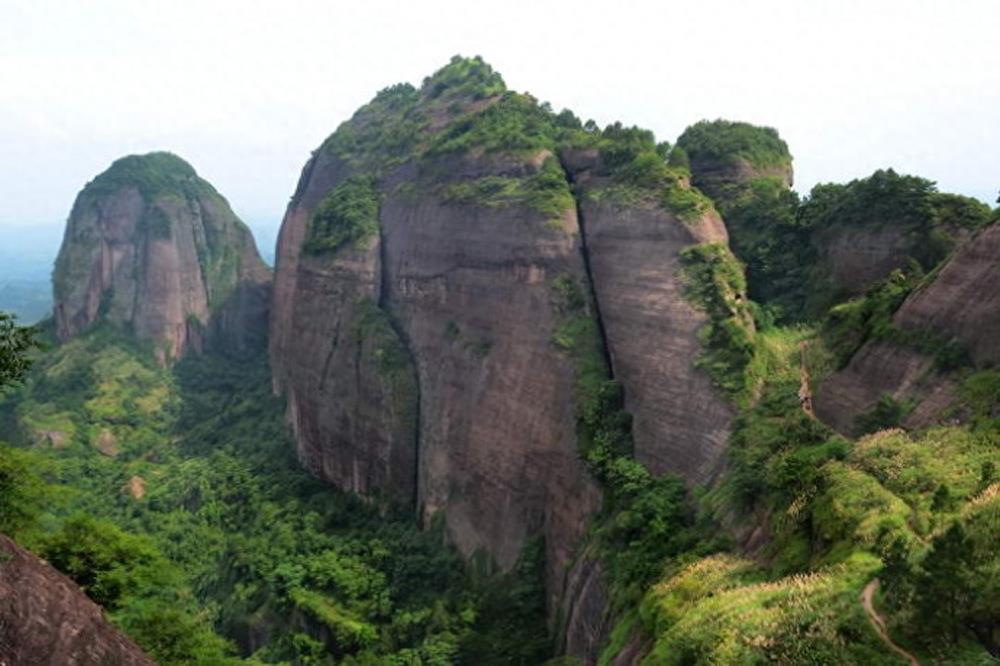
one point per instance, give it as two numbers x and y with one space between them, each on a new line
833 508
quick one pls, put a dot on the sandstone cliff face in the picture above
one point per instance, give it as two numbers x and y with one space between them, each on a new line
151 248
483 431
415 341
46 619
963 301
355 423
959 305
681 423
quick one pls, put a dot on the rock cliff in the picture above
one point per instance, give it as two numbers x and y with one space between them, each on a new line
46 619
956 307
153 249
440 250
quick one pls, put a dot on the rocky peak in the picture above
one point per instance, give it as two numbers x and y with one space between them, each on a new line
724 155
459 270
152 248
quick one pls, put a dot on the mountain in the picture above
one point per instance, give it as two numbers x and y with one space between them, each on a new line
534 392
151 247
463 279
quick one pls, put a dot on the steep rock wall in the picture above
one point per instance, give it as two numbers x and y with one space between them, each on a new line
153 249
960 304
466 291
354 426
681 422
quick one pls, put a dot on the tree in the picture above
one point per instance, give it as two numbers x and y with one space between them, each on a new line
15 343
943 588
897 574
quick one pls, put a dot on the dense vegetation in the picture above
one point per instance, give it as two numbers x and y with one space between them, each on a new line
920 511
715 282
153 173
347 215
726 142
15 343
173 497
465 109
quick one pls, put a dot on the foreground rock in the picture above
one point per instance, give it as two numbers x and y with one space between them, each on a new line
436 287
46 619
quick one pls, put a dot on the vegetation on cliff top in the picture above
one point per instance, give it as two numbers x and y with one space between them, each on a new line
465 109
152 173
726 142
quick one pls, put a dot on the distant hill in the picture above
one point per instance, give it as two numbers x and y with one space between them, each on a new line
26 257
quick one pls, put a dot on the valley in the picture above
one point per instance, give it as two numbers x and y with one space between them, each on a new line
518 390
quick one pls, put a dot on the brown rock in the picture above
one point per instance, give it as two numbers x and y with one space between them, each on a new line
963 301
585 611
107 443
135 487
152 248
681 422
466 292
960 304
46 619
55 438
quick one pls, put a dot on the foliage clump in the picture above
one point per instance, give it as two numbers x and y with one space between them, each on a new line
715 281
545 191
727 142
347 215
471 77
152 173
232 539
15 344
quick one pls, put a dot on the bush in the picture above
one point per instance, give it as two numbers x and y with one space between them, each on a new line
347 215
714 280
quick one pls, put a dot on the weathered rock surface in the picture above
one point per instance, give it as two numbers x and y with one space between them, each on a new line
585 611
465 291
354 426
681 423
152 248
961 305
473 418
46 619
963 301
854 258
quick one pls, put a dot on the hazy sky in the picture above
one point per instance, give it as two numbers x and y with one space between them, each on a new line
245 90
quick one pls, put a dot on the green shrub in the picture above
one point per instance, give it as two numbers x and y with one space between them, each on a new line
714 281
726 141
347 215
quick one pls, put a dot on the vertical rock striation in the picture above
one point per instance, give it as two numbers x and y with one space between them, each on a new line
418 309
153 249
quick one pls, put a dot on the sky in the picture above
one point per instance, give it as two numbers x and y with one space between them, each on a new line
245 90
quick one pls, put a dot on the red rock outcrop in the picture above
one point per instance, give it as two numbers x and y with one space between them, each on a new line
681 423
419 360
46 619
152 248
960 305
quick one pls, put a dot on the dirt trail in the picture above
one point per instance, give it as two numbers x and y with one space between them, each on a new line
805 391
867 595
